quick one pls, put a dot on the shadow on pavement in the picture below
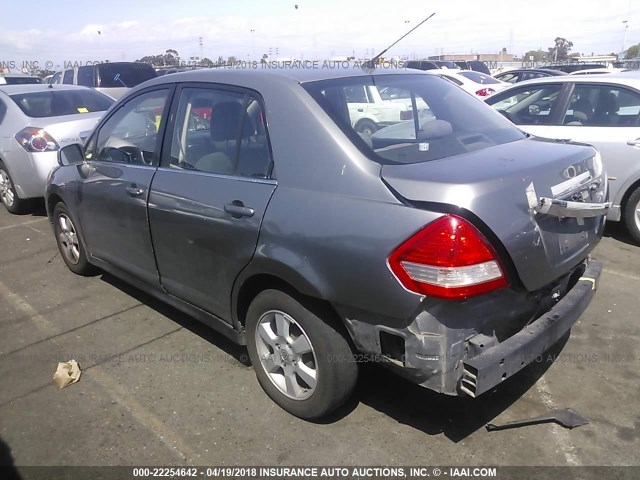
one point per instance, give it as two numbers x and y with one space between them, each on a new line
236 351
618 231
433 413
407 403
7 467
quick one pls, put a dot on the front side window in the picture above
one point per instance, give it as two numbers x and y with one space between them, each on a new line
429 119
220 132
529 105
602 106
57 77
130 136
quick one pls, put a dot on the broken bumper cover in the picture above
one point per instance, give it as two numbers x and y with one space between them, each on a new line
489 368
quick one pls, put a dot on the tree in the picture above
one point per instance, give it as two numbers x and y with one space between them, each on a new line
205 62
560 51
633 51
538 55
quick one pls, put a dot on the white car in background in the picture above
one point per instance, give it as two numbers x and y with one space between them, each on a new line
601 110
35 122
372 108
476 83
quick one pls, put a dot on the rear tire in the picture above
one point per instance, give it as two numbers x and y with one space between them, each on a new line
632 215
366 127
304 364
8 194
69 241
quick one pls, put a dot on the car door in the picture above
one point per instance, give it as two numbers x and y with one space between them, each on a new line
607 116
122 158
210 193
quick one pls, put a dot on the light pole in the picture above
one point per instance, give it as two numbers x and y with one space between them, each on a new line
624 38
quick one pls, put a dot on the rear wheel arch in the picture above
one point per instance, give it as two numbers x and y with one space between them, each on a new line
255 284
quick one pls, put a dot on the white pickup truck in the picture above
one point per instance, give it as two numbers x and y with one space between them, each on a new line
371 108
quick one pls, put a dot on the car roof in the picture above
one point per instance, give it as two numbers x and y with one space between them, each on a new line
543 70
615 77
277 74
37 87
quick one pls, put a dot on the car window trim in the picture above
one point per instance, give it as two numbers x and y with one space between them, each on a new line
165 158
171 88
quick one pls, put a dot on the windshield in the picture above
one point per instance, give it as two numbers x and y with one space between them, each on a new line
478 77
410 118
53 103
21 80
124 74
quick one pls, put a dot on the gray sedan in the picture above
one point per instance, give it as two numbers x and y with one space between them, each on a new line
35 121
451 249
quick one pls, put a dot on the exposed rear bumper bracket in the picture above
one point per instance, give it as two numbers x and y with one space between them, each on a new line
489 368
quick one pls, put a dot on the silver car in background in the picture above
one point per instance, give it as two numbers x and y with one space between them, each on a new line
35 122
600 110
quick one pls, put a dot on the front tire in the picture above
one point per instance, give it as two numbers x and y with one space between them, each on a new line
304 364
632 215
70 243
8 195
366 127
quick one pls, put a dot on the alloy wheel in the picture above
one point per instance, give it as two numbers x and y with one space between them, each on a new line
68 237
286 355
6 189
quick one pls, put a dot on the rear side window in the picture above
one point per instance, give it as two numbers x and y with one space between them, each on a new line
602 106
86 76
112 75
220 132
429 119
53 103
67 78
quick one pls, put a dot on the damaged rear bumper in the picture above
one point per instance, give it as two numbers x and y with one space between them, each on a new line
494 365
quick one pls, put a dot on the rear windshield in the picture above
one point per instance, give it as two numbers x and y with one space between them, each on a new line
53 103
124 74
411 118
21 80
479 77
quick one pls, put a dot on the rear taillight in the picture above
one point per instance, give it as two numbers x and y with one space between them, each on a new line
35 139
449 258
485 92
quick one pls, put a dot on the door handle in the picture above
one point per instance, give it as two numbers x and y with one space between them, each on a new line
634 143
237 210
134 191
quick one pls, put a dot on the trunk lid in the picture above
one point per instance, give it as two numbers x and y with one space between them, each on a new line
502 186
66 130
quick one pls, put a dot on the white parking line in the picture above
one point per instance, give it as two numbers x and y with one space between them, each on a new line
106 381
621 274
29 222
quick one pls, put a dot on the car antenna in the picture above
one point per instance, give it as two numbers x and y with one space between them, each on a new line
371 64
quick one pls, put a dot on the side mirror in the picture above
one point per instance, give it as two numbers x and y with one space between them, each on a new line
71 155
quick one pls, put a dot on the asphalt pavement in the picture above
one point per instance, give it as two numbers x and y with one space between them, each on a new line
158 388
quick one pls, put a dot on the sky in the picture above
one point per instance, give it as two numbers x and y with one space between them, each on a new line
117 30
